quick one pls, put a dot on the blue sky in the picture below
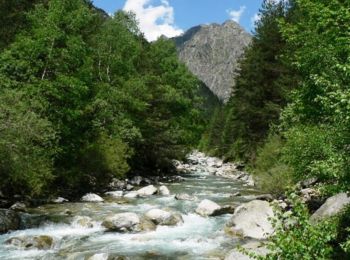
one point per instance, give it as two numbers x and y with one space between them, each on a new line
172 17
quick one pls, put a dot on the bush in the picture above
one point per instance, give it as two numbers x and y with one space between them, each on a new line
273 175
27 147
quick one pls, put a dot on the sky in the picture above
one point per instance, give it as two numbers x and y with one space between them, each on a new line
173 17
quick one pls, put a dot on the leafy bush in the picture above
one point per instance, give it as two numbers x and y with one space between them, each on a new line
273 175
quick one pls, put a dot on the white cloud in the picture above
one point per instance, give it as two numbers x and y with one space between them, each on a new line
235 15
255 18
154 21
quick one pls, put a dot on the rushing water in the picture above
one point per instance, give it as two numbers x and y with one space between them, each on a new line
197 238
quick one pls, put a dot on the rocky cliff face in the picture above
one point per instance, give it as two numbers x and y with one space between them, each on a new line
211 52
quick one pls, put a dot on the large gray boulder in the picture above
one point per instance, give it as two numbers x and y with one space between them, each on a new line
9 220
331 207
163 217
251 247
252 220
163 190
31 242
91 197
147 191
207 208
212 53
122 222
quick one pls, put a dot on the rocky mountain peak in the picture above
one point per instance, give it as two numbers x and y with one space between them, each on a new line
211 52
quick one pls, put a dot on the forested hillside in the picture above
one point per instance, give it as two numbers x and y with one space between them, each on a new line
84 98
288 118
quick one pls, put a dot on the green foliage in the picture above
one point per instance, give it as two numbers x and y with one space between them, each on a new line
296 238
27 146
102 99
273 175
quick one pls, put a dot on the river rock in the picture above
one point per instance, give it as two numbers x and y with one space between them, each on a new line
162 217
9 220
129 187
163 190
91 197
331 207
31 242
19 206
147 191
100 256
184 196
117 184
207 208
59 200
114 194
136 181
266 197
122 222
252 220
147 225
252 247
131 195
83 221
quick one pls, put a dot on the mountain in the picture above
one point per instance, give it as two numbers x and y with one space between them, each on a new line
212 52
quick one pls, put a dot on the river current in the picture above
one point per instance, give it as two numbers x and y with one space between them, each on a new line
197 238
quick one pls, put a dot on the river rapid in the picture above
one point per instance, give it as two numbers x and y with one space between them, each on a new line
197 238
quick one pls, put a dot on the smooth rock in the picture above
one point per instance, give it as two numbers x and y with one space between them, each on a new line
147 191
31 242
252 247
59 200
131 195
9 220
19 206
163 190
114 194
117 184
331 207
252 220
136 181
184 196
83 221
91 197
129 187
100 256
207 208
147 225
122 222
162 217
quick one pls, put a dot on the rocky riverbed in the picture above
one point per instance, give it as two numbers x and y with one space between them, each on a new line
208 210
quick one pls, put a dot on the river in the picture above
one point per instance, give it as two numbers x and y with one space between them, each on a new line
197 238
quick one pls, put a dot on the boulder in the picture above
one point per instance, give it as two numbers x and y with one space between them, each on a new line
100 256
162 217
251 247
129 187
59 200
83 221
184 196
163 190
147 191
31 242
136 181
147 225
207 208
266 197
9 220
252 220
331 207
91 197
117 184
131 195
114 194
123 222
308 182
19 206
227 209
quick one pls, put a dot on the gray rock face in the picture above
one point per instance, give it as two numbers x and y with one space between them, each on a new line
9 220
331 207
211 52
252 220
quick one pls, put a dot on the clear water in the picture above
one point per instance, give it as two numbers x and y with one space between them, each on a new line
196 238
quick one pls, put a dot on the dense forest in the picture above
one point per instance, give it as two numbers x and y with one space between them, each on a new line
85 98
288 119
